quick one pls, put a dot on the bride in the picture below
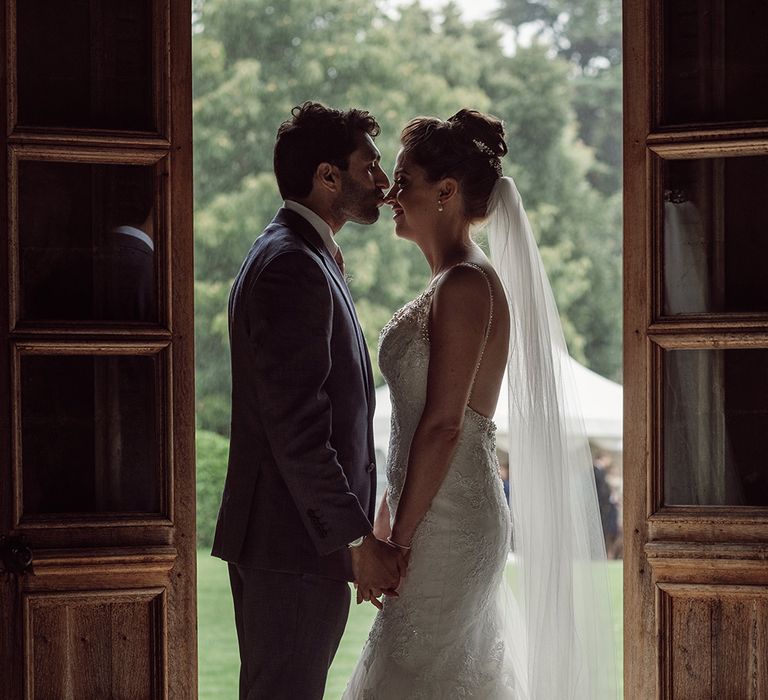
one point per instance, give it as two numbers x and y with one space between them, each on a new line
460 627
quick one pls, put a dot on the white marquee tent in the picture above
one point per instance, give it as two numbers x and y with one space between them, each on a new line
601 404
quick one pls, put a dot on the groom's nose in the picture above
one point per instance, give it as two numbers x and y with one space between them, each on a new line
382 181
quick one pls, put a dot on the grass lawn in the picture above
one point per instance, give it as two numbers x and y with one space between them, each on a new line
219 662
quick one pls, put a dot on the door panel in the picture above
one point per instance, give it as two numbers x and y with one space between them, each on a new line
96 352
117 635
696 343
714 638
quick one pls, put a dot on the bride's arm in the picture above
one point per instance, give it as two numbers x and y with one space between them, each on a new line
458 321
381 526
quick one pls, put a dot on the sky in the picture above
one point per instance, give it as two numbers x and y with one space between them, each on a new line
472 9
475 9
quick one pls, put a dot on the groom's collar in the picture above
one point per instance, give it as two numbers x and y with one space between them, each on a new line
300 227
318 223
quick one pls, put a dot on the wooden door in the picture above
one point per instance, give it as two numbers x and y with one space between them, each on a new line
97 576
696 349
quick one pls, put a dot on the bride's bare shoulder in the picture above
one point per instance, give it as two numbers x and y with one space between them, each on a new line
463 290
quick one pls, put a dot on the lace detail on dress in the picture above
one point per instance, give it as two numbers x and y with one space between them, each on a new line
441 638
417 308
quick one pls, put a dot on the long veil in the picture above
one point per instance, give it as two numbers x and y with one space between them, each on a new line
560 578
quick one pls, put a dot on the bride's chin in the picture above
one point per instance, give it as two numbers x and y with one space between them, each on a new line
401 231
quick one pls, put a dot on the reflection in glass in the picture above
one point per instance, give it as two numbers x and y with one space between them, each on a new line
715 235
715 423
89 434
87 242
85 64
715 61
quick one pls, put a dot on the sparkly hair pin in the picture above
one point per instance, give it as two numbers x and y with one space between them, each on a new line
493 160
483 148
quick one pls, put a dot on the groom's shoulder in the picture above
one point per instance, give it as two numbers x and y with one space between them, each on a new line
282 235
279 241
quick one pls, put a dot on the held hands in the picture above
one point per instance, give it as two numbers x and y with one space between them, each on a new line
378 568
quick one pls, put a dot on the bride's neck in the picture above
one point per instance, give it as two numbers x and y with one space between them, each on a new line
441 257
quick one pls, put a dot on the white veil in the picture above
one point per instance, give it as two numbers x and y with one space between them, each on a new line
561 579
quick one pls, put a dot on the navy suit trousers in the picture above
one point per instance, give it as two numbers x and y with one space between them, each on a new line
288 629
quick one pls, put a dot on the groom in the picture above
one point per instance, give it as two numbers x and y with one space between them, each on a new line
296 513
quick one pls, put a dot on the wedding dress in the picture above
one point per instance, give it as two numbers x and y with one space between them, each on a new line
443 636
459 629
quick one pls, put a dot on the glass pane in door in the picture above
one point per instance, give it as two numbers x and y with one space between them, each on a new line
87 242
715 61
715 415
715 235
85 64
91 440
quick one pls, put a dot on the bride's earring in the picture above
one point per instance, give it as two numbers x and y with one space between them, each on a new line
439 205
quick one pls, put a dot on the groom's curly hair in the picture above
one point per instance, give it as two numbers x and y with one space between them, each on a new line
317 134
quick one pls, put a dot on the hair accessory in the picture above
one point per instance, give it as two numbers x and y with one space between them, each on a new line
483 147
494 161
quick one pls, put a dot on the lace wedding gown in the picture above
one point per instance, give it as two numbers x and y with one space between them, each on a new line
447 634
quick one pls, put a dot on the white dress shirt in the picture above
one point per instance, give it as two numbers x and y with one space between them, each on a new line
318 223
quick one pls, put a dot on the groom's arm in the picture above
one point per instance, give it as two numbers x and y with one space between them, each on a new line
290 320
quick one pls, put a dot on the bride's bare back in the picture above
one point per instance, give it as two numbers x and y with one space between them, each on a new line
472 311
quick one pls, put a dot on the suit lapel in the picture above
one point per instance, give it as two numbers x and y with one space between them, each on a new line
298 224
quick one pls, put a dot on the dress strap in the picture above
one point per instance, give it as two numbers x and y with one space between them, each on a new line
490 319
427 295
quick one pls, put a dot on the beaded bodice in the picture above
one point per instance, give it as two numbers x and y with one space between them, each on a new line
404 361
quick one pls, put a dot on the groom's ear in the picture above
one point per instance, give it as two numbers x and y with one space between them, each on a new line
328 177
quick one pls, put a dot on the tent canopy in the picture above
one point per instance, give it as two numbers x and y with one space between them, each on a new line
601 404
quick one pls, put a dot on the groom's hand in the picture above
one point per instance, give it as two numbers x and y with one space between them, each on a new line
377 568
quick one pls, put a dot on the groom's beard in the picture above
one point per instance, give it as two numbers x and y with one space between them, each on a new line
357 203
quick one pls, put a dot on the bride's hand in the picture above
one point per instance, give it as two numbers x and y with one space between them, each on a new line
381 524
373 596
381 529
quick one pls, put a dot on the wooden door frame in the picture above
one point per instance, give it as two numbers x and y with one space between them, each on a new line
639 664
182 661
164 564
708 551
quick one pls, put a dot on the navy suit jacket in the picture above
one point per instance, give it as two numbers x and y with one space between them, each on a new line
301 479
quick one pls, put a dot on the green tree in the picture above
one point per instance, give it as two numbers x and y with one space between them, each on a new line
255 59
212 451
587 35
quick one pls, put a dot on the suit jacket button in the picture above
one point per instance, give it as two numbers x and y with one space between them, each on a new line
372 467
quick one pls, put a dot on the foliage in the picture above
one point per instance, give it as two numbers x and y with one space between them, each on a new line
212 452
586 35
255 59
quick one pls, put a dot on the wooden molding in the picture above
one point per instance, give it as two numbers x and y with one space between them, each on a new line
116 561
680 149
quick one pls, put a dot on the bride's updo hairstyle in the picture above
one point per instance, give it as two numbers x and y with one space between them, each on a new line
467 147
